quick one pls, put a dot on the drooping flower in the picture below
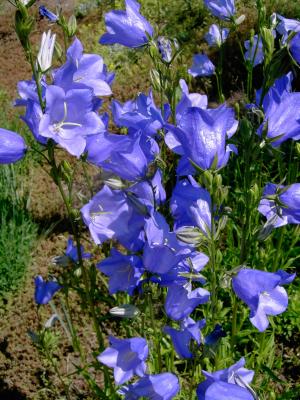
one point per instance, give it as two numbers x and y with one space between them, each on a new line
44 12
191 205
286 26
282 115
216 36
83 70
263 294
181 300
162 250
235 378
163 386
223 9
255 51
281 205
44 291
110 214
126 356
124 271
190 330
44 58
295 47
139 114
202 66
128 156
213 337
201 137
12 147
69 119
128 28
72 251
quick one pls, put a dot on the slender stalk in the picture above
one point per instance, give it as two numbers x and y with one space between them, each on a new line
155 333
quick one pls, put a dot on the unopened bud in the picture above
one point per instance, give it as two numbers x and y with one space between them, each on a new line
125 311
72 26
190 235
44 59
240 19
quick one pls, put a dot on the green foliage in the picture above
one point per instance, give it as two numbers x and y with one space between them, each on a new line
17 230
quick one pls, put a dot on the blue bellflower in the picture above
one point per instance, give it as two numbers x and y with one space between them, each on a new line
69 118
126 356
128 28
124 271
72 252
12 147
255 51
284 205
295 47
263 294
223 9
190 330
163 386
44 12
286 26
181 300
201 137
83 70
231 382
202 66
110 214
44 291
216 36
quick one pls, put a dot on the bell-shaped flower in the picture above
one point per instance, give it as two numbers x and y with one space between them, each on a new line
139 114
227 391
188 100
281 205
254 51
201 136
126 356
150 192
282 113
202 66
263 293
181 300
12 147
162 250
124 271
287 25
128 156
163 386
223 9
236 376
82 70
69 118
295 47
44 12
128 28
44 58
190 330
216 36
191 205
110 214
44 291
72 251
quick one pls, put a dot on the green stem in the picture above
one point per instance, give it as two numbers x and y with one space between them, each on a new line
155 333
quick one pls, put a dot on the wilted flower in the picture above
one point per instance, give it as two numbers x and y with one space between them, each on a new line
155 387
124 271
69 118
216 36
44 291
44 58
12 147
202 66
44 12
281 204
201 137
126 356
223 9
128 28
190 330
255 50
231 381
262 292
181 300
110 214
82 70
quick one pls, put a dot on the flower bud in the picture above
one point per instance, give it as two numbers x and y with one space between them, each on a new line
44 59
240 19
190 235
12 147
72 26
125 311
